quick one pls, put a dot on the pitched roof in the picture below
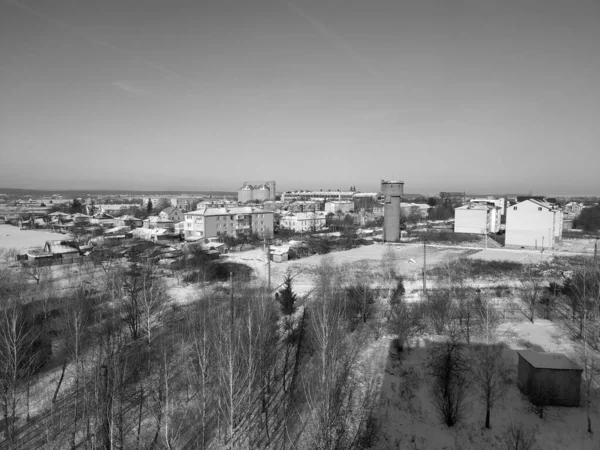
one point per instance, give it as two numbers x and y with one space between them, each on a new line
554 361
170 209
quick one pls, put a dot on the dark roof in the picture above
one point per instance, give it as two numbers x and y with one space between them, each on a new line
555 361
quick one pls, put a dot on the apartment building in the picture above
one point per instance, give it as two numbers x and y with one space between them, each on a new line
343 206
477 218
219 222
533 224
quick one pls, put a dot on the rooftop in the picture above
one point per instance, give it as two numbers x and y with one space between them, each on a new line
555 361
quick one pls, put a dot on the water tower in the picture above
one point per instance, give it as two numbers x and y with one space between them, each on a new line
392 191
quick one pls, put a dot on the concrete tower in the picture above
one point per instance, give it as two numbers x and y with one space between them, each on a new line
392 191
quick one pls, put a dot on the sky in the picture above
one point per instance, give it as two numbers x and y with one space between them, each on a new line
445 95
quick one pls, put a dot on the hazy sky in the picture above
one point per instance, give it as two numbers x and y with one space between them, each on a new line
475 95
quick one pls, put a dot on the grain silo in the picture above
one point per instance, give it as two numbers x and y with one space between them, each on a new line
261 193
392 191
245 193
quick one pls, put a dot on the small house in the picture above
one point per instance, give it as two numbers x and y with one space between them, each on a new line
172 213
549 378
62 248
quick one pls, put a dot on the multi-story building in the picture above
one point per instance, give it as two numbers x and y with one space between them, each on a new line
533 224
237 222
336 206
325 196
183 203
303 222
477 218
498 202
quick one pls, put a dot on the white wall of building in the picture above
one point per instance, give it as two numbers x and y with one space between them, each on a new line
530 224
475 221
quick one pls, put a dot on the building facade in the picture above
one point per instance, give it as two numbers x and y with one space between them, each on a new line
343 206
533 224
477 218
303 222
172 213
220 222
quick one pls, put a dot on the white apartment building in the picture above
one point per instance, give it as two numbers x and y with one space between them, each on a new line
497 202
218 222
343 206
477 218
303 222
533 224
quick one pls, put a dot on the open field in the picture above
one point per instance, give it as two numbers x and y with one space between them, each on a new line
13 237
410 262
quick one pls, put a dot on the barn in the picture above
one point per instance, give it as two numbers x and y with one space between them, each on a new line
549 378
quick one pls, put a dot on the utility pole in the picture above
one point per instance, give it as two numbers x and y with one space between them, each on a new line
424 267
269 267
231 301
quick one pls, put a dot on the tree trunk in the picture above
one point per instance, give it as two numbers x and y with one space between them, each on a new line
487 417
62 376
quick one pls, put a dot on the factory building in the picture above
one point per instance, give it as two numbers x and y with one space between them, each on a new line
262 192
392 192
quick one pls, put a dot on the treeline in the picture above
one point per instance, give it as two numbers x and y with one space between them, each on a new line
588 219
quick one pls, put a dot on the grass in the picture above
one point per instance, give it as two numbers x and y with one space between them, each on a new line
481 268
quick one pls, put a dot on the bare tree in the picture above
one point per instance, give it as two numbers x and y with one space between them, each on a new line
517 436
490 373
449 369
17 360
531 290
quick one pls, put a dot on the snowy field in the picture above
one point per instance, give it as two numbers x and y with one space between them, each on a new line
410 262
13 237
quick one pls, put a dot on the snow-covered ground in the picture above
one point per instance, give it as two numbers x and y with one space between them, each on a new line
410 420
409 258
13 237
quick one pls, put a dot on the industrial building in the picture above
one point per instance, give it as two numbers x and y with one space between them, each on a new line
325 196
239 221
392 192
533 224
549 378
477 218
262 192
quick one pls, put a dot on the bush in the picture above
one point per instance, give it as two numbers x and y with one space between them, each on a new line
447 237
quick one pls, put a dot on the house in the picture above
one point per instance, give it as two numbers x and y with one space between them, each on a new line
303 222
172 213
549 378
128 221
81 219
477 218
103 219
62 248
158 223
533 224
573 208
220 222
343 206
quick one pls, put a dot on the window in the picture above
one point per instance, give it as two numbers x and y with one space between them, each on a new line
514 208
539 208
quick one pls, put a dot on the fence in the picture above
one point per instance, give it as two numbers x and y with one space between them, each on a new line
47 262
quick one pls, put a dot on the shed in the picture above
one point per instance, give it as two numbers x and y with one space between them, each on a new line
61 248
549 378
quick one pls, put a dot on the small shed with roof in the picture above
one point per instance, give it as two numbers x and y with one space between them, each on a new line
549 378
